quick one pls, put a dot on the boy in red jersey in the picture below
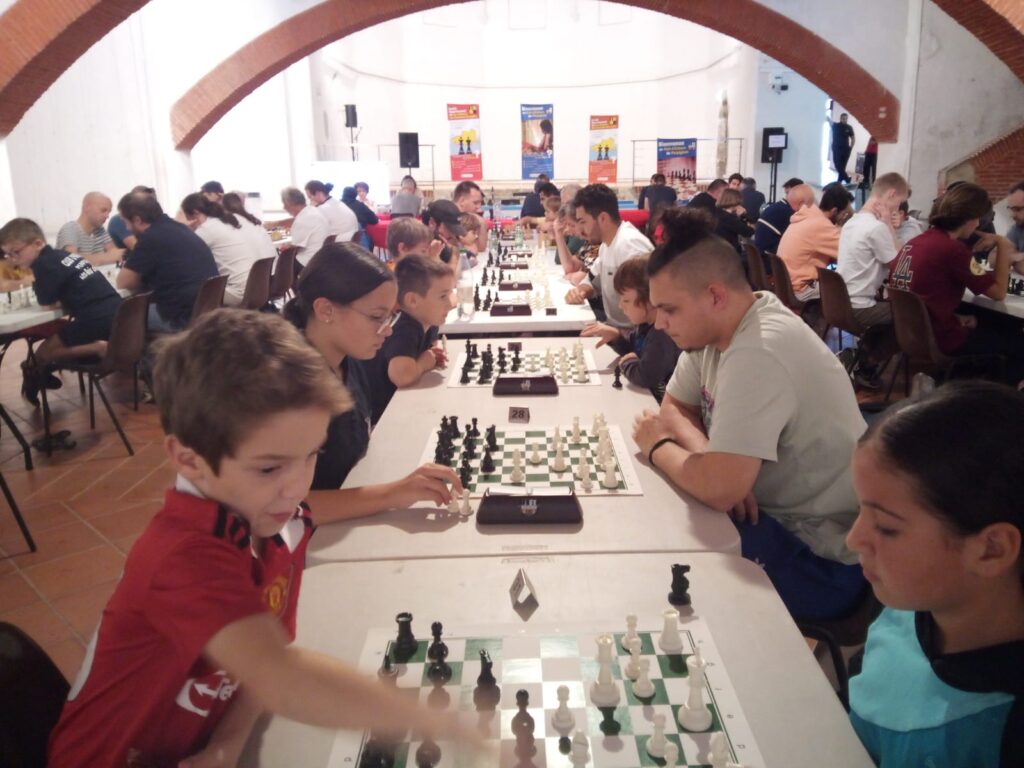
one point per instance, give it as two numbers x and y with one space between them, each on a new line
195 641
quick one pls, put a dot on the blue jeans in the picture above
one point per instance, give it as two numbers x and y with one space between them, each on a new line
811 587
156 324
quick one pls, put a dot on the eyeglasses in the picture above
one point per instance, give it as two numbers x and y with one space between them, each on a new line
15 252
384 323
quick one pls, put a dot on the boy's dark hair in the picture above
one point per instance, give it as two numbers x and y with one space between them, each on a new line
463 188
547 188
658 178
959 205
21 231
835 195
141 205
339 272
794 182
542 179
416 274
632 273
905 207
213 186
408 231
596 199
196 203
736 177
694 253
934 441
217 381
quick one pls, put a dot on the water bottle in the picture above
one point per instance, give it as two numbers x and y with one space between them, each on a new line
519 235
497 211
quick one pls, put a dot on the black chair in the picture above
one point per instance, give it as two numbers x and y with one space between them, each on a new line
755 268
836 309
809 311
32 694
916 340
283 279
22 525
124 352
210 297
257 286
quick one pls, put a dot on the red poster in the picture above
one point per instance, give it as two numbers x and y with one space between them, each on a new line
604 149
464 142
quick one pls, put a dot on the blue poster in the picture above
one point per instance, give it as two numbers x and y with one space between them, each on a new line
538 139
677 159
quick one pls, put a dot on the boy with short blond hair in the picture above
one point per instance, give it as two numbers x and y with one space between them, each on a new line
69 280
425 289
407 236
195 641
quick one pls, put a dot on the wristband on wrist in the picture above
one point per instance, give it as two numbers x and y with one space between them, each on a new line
656 446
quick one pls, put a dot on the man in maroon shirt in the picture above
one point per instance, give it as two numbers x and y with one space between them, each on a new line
938 267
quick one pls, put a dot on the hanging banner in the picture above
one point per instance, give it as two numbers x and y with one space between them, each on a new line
464 142
677 159
604 149
538 139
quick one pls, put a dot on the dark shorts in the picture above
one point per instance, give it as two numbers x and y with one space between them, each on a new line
85 331
810 586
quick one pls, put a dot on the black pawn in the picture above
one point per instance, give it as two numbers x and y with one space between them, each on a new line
476 302
405 644
464 378
487 465
523 727
609 725
437 651
617 382
444 426
476 429
680 585
501 365
428 755
387 668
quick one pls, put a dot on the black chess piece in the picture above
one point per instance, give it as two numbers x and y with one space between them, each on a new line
476 429
444 426
486 676
465 475
388 670
680 585
405 644
501 365
609 725
476 302
428 755
469 448
469 346
492 438
439 671
464 378
487 693
617 381
487 464
453 427
476 352
523 727
377 754
438 650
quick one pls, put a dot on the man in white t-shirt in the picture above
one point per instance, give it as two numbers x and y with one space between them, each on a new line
597 213
309 226
867 246
758 421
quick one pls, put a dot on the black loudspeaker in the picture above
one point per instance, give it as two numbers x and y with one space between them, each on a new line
409 150
772 148
351 121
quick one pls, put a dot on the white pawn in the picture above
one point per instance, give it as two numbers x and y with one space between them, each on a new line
671 755
517 475
643 688
587 484
453 504
583 468
596 425
718 757
582 377
465 510
549 361
631 634
670 640
580 754
656 744
576 429
563 719
535 458
609 480
559 465
632 670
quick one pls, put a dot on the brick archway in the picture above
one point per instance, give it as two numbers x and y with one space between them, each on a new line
999 24
42 39
783 39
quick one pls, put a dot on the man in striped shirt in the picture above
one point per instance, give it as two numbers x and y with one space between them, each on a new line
87 236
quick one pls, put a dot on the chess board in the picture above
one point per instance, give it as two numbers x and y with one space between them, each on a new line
539 663
541 477
529 359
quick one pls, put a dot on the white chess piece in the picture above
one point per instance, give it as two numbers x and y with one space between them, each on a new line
453 505
628 638
718 757
465 510
587 483
596 425
656 744
576 429
444 344
517 475
632 670
580 753
535 458
563 719
604 692
582 377
583 468
671 755
670 640
559 465
694 715
643 688
549 361
608 480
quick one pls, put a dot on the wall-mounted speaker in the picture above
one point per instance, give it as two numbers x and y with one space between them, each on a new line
351 121
409 150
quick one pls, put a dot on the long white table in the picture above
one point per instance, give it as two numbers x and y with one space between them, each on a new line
1011 305
795 717
31 315
663 519
568 318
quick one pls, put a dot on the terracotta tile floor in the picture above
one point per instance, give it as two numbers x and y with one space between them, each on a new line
85 508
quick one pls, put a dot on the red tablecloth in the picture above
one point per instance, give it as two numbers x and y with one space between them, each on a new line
379 233
635 217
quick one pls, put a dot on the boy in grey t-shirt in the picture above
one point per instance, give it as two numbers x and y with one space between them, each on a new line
759 420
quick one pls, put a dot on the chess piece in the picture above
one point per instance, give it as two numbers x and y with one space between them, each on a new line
453 505
487 465
656 744
535 457
583 468
523 727
694 714
576 429
587 483
387 669
617 381
680 584
438 650
517 475
405 644
671 755
608 480
670 640
643 688
631 633
465 476
559 464
718 757
464 379
632 670
428 754
563 720
465 510
604 692
579 754
492 438
474 430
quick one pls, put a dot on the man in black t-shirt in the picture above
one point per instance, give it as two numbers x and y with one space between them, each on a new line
658 195
842 144
424 296
708 200
71 281
169 259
